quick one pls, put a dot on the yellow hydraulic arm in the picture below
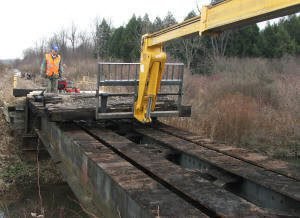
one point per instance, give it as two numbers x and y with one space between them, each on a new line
213 19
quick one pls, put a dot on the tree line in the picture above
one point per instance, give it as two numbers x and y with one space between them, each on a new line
108 43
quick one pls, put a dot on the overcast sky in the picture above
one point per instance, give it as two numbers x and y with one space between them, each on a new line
23 22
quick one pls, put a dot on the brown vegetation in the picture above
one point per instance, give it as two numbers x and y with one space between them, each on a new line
14 172
248 102
251 102
77 68
6 83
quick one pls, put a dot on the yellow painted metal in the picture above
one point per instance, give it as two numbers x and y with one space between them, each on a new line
185 28
231 13
213 19
152 66
225 15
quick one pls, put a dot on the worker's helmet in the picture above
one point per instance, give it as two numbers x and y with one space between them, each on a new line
55 48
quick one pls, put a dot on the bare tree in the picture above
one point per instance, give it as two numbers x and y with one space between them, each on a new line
219 43
59 39
40 49
83 39
73 36
62 37
191 46
84 43
96 23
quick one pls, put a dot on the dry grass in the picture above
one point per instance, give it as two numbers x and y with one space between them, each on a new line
7 141
77 68
74 69
13 170
247 102
6 84
33 66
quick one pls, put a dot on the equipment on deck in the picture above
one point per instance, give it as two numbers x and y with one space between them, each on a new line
65 85
215 18
39 97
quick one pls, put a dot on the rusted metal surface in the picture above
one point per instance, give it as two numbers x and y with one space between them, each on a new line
202 193
278 166
269 179
158 174
75 111
112 184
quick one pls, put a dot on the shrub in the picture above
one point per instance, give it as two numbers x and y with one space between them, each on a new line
247 102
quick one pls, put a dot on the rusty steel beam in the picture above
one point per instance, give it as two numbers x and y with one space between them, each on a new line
277 166
286 189
107 184
207 197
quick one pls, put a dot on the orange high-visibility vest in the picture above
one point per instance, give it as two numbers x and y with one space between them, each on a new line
52 65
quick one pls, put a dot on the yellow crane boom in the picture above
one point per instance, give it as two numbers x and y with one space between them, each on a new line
215 18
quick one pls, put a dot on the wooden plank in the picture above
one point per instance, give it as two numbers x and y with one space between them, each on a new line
122 187
209 197
68 115
24 92
276 182
267 162
57 111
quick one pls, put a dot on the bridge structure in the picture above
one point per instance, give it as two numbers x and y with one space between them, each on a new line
122 168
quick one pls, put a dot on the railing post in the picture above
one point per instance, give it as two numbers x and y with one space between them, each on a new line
104 97
173 77
180 91
135 86
97 90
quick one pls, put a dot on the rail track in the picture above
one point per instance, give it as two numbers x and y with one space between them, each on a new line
193 177
123 168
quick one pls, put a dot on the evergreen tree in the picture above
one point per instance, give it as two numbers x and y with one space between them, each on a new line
171 46
132 38
157 24
276 41
103 32
147 26
272 42
169 20
292 26
244 42
116 44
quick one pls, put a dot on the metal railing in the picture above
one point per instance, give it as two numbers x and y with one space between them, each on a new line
126 75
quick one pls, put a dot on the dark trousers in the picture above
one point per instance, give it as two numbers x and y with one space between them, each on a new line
52 85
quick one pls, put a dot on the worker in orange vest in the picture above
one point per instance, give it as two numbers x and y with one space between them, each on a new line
52 69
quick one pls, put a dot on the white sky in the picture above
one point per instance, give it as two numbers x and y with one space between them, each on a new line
23 22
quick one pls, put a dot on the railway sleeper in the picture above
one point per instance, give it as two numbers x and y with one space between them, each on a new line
184 182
